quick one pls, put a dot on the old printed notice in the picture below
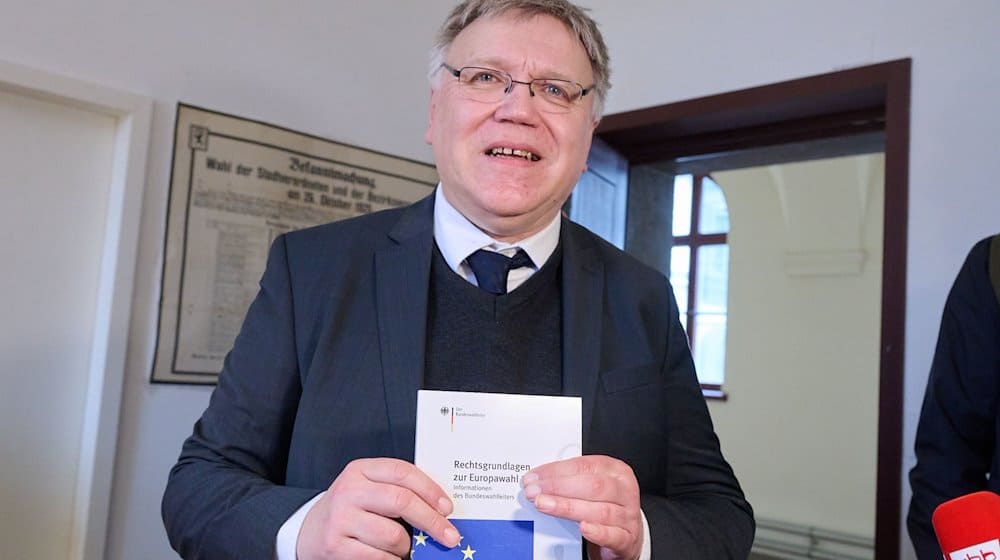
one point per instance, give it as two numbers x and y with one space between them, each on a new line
477 446
235 185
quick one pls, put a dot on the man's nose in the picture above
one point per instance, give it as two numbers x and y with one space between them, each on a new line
518 104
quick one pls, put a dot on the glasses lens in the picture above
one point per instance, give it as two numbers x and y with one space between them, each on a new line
483 84
557 93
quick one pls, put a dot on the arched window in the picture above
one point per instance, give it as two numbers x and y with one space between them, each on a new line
699 273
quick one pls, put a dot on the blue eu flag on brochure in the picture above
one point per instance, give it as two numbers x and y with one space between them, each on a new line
482 539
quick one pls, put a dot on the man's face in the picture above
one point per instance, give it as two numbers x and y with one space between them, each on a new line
511 197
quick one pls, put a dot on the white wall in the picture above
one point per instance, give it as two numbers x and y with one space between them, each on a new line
322 67
802 343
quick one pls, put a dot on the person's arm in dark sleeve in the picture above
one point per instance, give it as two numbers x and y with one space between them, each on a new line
225 496
702 512
956 434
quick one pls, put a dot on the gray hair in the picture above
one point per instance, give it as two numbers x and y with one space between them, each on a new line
575 18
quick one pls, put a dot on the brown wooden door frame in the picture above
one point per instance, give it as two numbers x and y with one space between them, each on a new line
838 104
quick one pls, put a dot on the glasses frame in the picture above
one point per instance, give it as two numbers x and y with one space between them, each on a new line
457 72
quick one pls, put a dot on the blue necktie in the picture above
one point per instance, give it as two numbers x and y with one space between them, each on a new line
491 268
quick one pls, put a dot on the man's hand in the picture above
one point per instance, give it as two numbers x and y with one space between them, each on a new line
357 517
598 491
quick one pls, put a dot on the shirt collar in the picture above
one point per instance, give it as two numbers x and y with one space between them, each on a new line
457 237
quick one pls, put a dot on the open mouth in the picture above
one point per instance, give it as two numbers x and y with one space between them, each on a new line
512 152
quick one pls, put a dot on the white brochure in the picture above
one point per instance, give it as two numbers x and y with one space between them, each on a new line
477 446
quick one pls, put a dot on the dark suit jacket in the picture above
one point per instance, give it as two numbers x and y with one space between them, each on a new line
328 362
958 436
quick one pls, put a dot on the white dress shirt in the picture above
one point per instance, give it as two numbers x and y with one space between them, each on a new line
457 238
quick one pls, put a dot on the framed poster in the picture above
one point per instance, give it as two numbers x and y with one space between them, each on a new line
235 185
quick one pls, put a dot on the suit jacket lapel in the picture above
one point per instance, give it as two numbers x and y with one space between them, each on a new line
582 301
402 276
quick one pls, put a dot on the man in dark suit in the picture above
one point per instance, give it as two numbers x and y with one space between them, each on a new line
958 436
305 449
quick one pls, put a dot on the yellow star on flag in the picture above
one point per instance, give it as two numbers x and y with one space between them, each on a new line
467 553
421 538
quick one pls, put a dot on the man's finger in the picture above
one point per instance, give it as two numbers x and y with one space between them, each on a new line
357 550
586 464
593 487
406 475
602 513
391 501
397 490
614 538
378 532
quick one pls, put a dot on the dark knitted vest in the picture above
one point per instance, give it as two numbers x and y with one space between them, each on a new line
477 341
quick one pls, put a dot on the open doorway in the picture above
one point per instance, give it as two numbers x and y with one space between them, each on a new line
861 110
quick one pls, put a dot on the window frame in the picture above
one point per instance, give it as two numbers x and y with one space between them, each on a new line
694 240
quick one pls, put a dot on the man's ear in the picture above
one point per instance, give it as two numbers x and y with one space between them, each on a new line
430 117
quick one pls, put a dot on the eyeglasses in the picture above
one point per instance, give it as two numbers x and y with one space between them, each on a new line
489 85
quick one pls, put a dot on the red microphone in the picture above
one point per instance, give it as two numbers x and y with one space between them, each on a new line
968 527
